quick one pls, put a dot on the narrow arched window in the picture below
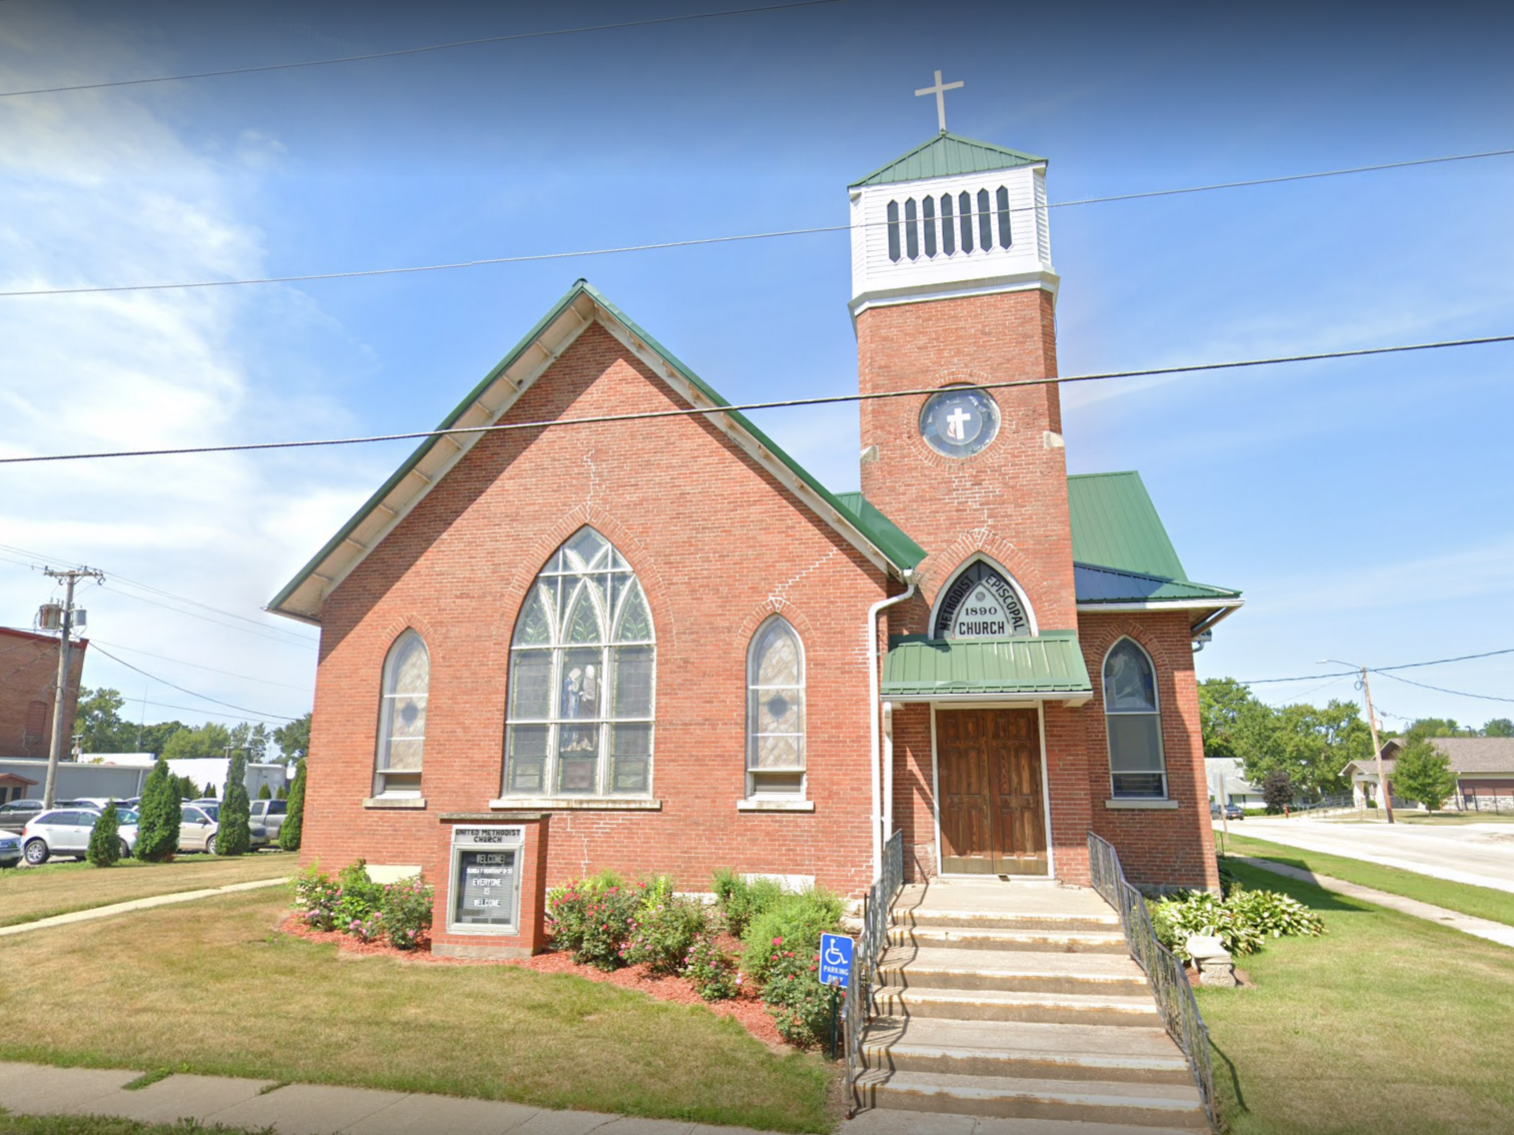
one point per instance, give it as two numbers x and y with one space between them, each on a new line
965 212
775 711
948 233
1006 230
928 222
893 231
911 230
582 678
985 222
402 718
1134 722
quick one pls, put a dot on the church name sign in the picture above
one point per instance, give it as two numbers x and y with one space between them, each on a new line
485 879
981 603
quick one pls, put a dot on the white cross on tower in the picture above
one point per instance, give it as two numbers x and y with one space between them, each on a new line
939 90
956 424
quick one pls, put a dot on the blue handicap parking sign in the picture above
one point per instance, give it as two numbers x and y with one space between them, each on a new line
835 960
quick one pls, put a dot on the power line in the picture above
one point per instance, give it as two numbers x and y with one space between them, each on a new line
291 642
198 709
1444 690
193 693
789 403
1382 669
199 666
397 52
656 246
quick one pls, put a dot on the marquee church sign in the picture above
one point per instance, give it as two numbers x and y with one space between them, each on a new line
981 603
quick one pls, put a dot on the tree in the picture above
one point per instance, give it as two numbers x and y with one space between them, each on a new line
233 836
105 840
294 817
293 739
1234 723
154 738
98 723
263 792
1312 746
1423 773
1277 790
282 793
1437 727
210 789
1498 727
251 739
209 740
185 788
158 820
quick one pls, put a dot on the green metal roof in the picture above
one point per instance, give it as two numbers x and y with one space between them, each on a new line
946 155
884 535
1115 525
1050 663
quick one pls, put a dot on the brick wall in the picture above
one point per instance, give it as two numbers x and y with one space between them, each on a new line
717 544
28 674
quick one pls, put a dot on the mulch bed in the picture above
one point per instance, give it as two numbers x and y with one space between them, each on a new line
747 1009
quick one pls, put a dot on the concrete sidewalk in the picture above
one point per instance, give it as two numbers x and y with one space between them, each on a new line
313 1109
1480 927
138 904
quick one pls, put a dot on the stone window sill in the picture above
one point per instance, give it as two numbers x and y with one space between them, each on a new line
762 804
1135 803
412 803
575 804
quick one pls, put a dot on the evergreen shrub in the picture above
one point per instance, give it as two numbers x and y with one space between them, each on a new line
263 793
105 839
741 899
233 836
158 819
795 922
294 815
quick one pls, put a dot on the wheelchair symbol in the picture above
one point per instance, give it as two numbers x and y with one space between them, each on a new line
833 955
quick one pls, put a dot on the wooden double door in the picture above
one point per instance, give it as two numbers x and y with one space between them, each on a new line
988 769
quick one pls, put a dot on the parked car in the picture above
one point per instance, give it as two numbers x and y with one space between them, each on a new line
10 849
1234 812
199 823
66 832
270 813
13 816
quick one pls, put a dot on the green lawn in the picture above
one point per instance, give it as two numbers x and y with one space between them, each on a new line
30 893
104 1125
211 987
1388 1025
1480 902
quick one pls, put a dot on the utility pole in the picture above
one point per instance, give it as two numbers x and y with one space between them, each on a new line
60 693
1383 789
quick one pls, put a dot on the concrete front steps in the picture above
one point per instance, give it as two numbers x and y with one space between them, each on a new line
1018 1000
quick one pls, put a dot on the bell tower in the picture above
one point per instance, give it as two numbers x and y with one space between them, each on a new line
953 289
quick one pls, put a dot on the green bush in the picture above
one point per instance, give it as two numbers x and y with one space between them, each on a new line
800 1006
105 839
591 919
358 900
233 836
294 815
317 894
1243 921
791 925
664 929
158 819
405 912
711 970
741 899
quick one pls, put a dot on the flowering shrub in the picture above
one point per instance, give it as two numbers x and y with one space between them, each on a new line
591 919
799 1005
798 920
316 895
741 899
358 899
711 969
664 929
405 913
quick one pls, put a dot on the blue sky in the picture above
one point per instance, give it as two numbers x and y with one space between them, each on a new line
1363 507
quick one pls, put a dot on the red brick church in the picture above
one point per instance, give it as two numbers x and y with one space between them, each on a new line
656 643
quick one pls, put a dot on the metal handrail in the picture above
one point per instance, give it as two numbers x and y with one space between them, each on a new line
1169 985
858 1006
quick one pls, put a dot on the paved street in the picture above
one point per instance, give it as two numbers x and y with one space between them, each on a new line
1480 854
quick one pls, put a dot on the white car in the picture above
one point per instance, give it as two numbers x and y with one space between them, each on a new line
67 832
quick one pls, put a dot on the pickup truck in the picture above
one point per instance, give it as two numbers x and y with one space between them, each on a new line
269 813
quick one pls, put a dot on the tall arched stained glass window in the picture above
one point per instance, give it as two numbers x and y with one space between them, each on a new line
775 711
402 718
582 678
1134 722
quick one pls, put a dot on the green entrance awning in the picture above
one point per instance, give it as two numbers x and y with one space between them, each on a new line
1047 666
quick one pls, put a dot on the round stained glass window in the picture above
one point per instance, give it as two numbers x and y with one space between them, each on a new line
959 421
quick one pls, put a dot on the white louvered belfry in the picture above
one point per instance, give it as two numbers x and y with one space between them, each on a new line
912 241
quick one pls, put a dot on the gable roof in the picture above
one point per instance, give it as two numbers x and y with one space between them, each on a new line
1467 755
581 306
947 155
1121 551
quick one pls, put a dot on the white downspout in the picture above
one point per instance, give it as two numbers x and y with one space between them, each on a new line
888 770
876 818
